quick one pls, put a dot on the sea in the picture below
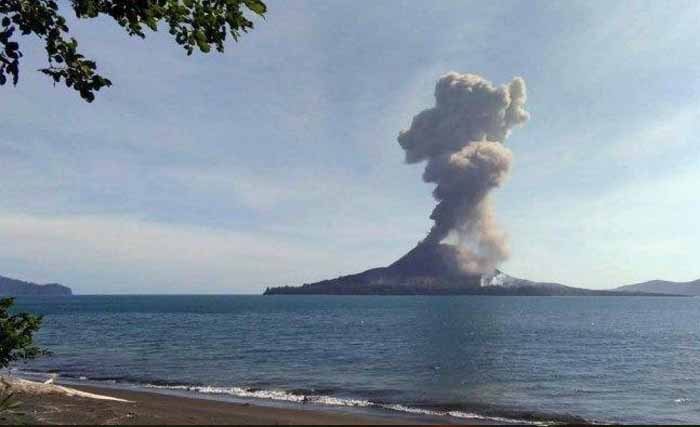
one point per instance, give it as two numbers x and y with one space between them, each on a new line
538 360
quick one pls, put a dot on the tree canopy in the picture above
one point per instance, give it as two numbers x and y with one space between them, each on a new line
194 24
16 334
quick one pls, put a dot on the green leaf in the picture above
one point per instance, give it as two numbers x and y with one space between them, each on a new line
256 6
200 37
204 46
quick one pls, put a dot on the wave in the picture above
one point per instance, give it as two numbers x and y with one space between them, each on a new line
295 397
311 396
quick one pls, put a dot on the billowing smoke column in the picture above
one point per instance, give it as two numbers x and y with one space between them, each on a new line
462 140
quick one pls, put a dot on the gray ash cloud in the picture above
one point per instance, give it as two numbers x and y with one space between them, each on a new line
461 139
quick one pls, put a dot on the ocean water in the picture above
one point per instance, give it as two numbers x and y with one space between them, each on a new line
607 359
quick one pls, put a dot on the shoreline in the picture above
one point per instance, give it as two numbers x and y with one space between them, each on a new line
88 404
275 410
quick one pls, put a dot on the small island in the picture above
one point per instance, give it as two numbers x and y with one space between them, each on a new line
19 288
689 289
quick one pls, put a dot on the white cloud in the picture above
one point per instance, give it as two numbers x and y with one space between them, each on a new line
668 133
639 231
125 254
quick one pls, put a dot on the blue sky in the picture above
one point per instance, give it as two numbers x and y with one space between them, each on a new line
277 162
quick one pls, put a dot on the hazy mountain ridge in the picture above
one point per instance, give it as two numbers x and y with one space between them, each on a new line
691 288
430 270
16 288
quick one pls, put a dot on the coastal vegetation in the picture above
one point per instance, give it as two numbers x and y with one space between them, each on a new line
195 24
16 343
8 403
17 334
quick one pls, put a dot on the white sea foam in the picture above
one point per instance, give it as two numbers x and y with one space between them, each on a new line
283 396
335 401
408 409
268 394
458 414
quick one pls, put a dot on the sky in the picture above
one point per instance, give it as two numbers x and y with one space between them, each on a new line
276 163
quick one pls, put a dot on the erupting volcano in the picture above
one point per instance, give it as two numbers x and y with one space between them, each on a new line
461 141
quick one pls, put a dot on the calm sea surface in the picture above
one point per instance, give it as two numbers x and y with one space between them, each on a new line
624 359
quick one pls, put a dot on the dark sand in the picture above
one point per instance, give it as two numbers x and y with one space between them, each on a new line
155 408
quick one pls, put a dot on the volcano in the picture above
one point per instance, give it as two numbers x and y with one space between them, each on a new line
432 269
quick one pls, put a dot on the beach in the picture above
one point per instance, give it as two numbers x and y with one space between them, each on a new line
55 404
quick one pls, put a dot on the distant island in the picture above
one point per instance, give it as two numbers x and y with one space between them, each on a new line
429 269
691 289
16 288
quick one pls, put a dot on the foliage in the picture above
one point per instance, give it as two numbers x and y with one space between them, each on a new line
16 334
200 24
7 400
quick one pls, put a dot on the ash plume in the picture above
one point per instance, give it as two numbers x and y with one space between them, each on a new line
461 138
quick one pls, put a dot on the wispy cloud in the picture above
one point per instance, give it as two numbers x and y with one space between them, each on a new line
130 255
